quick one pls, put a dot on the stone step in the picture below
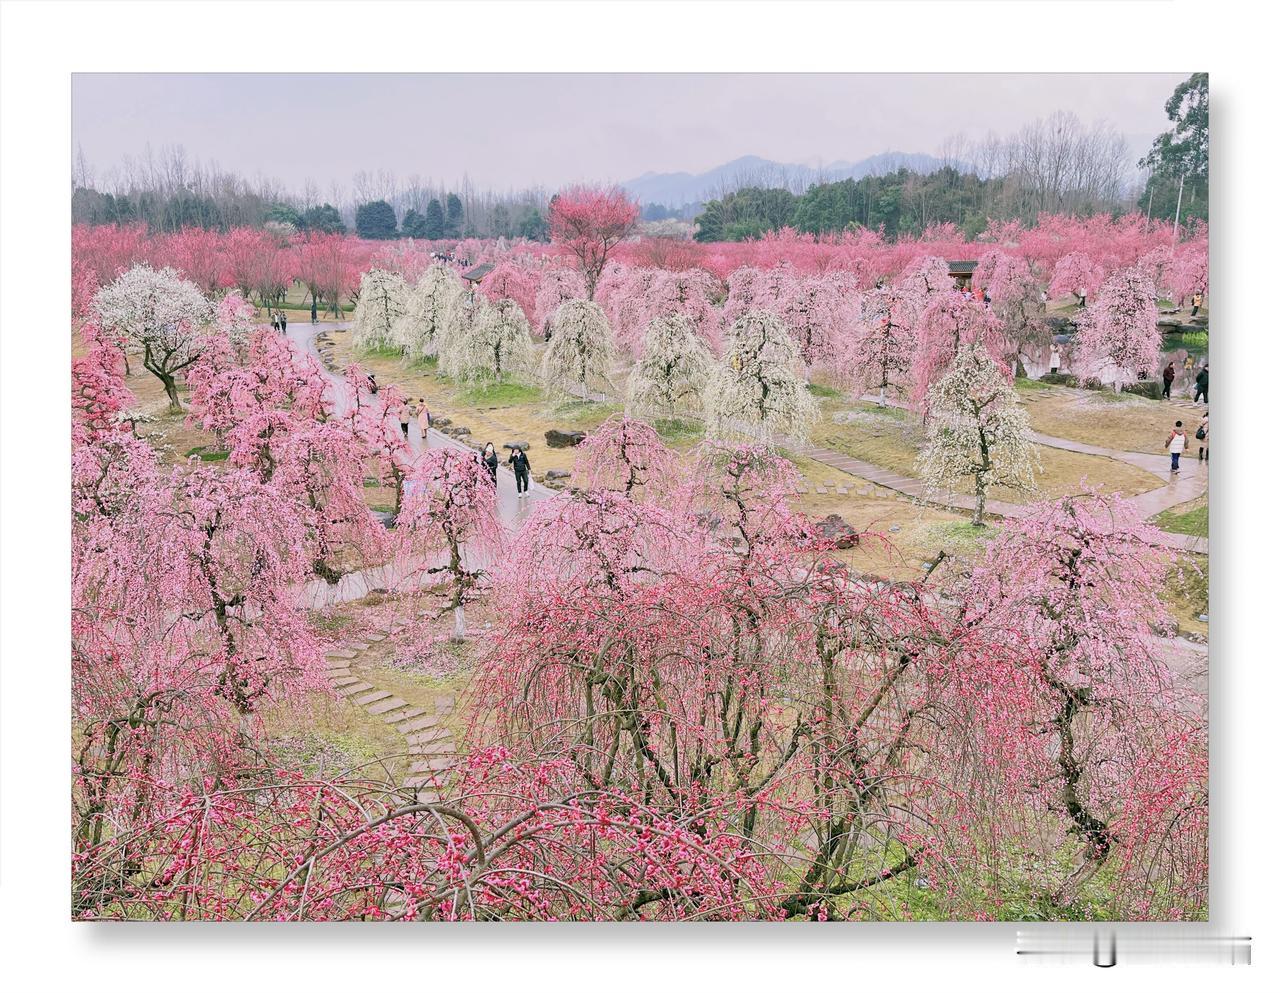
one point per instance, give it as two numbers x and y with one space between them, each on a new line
337 663
440 765
353 688
373 697
419 724
356 646
444 746
346 680
383 706
375 637
339 653
395 717
426 737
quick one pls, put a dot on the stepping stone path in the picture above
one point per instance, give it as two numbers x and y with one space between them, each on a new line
428 741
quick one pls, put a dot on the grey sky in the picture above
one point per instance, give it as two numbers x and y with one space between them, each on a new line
516 130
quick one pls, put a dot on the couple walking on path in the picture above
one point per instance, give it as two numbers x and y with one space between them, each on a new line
409 413
1177 442
518 460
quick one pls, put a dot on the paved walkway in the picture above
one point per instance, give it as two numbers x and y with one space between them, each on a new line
1191 481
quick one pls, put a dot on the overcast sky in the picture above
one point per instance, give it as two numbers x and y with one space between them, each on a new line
517 130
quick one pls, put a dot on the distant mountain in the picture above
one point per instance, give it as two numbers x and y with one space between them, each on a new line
674 189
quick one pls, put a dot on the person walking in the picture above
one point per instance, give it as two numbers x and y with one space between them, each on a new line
519 462
424 418
314 316
373 384
1202 436
490 459
1202 385
1176 442
275 321
1169 373
1196 300
284 322
1055 359
406 415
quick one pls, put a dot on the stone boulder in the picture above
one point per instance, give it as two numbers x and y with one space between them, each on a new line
564 439
553 474
513 445
441 422
837 530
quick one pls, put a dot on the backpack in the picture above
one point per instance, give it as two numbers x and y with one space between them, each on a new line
1200 433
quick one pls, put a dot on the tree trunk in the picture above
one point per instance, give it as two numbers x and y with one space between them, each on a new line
459 623
980 498
171 389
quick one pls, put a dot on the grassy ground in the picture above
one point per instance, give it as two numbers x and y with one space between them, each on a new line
1186 518
1186 593
892 438
1102 417
500 412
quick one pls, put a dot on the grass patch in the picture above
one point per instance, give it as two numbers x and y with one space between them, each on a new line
674 430
205 454
1195 342
1186 518
584 413
385 352
500 394
961 538
825 392
1122 421
1030 385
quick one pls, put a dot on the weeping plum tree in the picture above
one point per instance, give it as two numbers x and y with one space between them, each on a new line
757 391
162 316
880 349
419 330
383 303
451 509
1120 331
673 368
581 349
977 430
1103 733
487 341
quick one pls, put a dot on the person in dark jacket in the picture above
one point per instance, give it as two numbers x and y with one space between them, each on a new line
1169 373
314 315
519 462
490 459
284 322
1202 385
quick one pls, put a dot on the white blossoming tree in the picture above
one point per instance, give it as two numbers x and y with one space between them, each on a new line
427 310
977 431
383 301
673 368
488 341
160 315
757 391
881 349
581 349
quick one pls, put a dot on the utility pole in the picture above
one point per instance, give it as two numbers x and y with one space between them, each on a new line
1177 214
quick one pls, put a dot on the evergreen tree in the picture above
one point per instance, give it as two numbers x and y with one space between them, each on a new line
414 224
453 216
434 221
324 219
376 220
